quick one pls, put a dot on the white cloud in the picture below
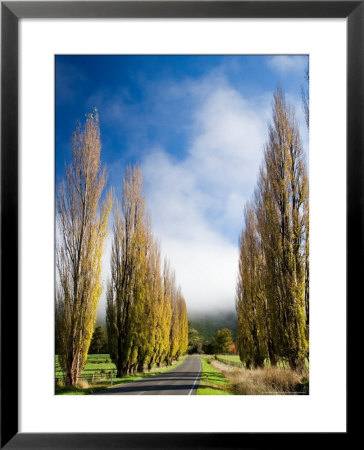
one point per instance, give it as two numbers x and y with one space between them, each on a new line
196 203
285 64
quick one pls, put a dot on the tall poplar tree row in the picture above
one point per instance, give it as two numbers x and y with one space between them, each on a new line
146 314
82 228
141 311
252 332
272 289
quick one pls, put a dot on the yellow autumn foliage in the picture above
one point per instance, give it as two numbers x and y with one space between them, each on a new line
272 290
82 228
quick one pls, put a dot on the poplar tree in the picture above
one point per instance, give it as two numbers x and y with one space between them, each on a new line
184 326
161 317
165 319
82 228
272 289
127 290
282 223
146 315
178 330
306 108
174 331
149 312
253 328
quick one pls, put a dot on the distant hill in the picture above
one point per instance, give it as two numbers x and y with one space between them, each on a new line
208 324
205 323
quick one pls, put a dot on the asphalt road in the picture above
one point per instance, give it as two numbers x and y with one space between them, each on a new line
182 380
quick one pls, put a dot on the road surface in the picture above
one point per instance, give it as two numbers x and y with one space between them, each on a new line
182 380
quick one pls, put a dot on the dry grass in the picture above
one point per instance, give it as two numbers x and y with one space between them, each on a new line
59 384
264 381
82 383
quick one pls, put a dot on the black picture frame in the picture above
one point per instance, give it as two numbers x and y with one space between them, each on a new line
11 12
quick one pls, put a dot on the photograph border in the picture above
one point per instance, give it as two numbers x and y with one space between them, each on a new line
11 12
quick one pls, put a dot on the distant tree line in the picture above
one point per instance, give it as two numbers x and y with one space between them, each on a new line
221 343
272 298
211 320
146 313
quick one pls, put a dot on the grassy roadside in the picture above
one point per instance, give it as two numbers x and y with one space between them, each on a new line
95 364
77 390
271 380
102 385
227 379
212 382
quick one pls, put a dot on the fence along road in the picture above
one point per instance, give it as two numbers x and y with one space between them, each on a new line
182 380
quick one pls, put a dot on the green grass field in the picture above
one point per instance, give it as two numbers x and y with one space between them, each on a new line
94 362
231 360
234 358
212 382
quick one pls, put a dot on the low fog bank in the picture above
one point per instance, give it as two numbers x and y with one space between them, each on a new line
207 323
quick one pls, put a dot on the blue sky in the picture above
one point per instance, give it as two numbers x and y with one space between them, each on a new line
197 127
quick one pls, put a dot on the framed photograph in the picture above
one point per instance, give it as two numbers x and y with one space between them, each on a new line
181 224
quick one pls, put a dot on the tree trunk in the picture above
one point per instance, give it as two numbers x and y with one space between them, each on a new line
121 370
71 378
293 363
72 372
259 361
68 380
272 357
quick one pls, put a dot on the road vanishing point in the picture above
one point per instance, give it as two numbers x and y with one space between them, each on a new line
182 380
